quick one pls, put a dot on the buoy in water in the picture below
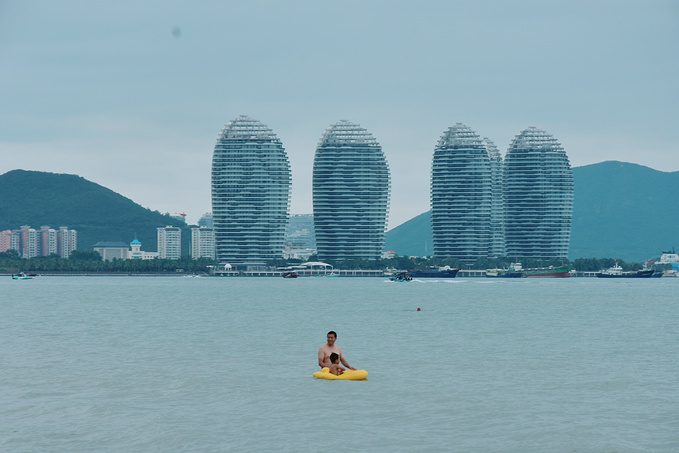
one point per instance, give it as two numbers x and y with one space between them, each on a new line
418 309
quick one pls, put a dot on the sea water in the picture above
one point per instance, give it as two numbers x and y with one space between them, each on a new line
225 364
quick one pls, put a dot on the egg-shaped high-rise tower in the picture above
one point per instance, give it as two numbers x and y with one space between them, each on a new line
351 187
497 212
250 194
538 197
461 194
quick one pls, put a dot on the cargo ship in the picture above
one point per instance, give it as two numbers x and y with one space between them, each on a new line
551 271
514 271
617 272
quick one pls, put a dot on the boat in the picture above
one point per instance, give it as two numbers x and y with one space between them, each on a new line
617 272
435 272
289 274
348 375
401 277
671 258
513 271
330 275
22 276
551 271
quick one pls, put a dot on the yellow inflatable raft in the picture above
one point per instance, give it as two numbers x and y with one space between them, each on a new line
349 375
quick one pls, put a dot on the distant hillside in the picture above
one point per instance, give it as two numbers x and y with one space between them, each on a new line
97 213
412 238
621 210
624 210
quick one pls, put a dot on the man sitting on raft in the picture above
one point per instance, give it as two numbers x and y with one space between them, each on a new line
327 349
335 368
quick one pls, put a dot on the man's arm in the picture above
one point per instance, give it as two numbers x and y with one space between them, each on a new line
344 361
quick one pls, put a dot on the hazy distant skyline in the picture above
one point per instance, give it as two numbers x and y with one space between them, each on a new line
133 95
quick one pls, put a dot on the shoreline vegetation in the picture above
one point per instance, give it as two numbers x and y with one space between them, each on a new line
88 262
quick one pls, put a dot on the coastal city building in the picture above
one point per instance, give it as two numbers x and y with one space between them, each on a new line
202 243
251 183
44 242
48 241
297 251
169 243
351 188
300 240
5 240
497 207
461 195
206 220
67 241
136 253
111 250
119 250
301 229
28 241
538 197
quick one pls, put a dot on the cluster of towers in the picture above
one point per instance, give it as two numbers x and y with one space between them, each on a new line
46 241
481 205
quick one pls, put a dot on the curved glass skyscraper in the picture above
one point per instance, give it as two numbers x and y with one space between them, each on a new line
351 187
250 194
497 213
538 196
461 195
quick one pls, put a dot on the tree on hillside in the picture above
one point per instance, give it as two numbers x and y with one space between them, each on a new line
85 255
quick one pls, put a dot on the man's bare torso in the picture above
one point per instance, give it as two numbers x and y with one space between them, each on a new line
326 350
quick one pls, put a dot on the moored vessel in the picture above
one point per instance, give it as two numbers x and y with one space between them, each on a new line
671 258
617 272
551 271
289 275
435 272
513 271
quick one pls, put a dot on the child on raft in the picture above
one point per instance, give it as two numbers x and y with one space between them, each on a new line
335 368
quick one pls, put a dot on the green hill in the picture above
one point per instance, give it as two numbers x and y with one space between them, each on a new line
412 238
621 210
97 213
624 210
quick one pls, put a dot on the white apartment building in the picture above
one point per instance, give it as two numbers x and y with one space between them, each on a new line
202 243
170 243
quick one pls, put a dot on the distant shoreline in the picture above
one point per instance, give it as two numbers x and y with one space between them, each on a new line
353 273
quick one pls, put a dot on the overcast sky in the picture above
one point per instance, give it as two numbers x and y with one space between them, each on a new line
132 95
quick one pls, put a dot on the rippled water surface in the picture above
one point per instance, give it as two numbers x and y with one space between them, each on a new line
225 364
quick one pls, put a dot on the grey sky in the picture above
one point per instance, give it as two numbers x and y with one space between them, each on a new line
132 95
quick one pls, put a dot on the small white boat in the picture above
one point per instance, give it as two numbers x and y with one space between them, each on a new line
21 276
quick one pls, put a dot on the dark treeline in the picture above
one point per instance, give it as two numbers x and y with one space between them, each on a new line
88 261
82 261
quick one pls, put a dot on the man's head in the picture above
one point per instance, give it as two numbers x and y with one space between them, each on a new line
332 336
334 357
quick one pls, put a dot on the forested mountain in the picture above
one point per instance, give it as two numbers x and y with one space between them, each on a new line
621 210
624 210
98 214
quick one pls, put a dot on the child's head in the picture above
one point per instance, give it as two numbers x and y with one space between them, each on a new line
334 357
